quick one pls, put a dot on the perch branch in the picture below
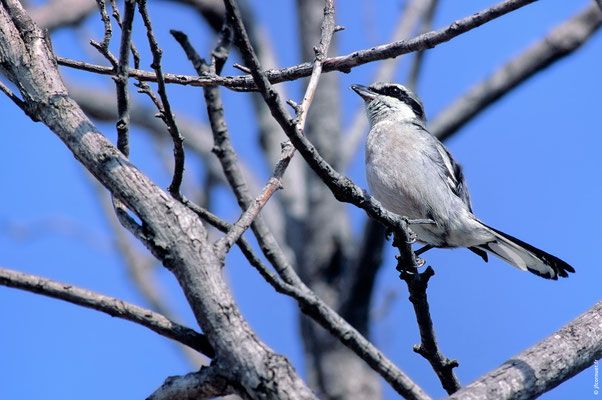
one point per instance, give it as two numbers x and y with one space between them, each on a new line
428 348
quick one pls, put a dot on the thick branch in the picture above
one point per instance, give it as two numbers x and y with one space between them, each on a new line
545 365
562 41
109 305
205 384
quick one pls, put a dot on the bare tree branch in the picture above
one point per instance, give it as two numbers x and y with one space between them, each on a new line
109 305
545 365
205 384
121 78
428 348
165 109
341 63
562 41
250 214
15 99
293 286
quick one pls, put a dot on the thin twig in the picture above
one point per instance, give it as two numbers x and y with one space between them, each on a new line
223 245
103 47
121 79
106 20
117 17
244 246
560 42
428 348
109 305
341 63
165 111
18 102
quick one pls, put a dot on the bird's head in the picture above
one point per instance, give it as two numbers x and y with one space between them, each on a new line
393 101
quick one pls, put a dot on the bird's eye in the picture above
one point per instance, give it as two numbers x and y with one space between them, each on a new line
394 91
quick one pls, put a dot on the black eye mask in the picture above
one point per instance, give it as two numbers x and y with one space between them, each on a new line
402 95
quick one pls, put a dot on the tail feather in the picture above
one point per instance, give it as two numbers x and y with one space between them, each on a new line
526 257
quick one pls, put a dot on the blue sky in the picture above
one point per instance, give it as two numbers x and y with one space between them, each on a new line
531 161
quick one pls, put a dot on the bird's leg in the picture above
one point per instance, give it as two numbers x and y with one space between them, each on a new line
423 249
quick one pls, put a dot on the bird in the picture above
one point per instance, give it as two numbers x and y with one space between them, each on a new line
412 174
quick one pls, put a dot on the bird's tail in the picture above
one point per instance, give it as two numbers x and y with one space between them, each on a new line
524 256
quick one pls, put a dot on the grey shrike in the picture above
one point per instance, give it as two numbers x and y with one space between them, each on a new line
412 174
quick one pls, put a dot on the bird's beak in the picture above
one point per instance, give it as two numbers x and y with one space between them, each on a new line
364 91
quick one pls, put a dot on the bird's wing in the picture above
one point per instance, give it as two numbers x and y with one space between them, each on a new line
452 173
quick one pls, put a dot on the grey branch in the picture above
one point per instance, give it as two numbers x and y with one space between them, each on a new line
341 63
562 41
545 365
428 348
165 108
205 384
109 305
121 79
250 214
